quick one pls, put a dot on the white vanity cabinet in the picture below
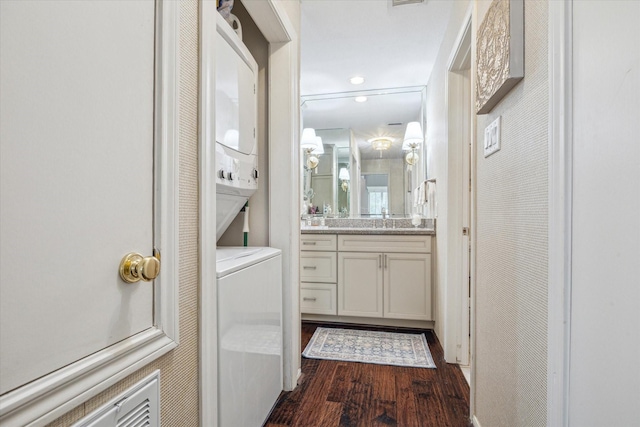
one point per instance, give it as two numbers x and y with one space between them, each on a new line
318 274
384 276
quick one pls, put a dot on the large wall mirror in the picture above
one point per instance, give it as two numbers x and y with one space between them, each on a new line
360 167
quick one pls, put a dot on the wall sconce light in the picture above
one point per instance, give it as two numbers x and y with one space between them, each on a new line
344 176
413 139
308 140
312 161
312 146
319 149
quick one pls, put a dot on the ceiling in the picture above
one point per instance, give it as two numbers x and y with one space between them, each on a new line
391 47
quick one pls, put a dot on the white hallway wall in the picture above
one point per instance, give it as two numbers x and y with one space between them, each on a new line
512 243
604 382
606 249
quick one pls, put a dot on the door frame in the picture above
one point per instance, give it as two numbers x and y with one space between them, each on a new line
55 394
284 230
560 190
461 143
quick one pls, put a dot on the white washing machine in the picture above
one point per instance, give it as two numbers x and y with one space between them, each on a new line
249 334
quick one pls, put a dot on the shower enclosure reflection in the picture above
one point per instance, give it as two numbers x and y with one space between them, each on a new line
324 190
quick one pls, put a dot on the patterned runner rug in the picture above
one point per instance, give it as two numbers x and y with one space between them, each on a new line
383 348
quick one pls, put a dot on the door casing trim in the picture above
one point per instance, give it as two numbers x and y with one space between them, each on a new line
284 231
560 211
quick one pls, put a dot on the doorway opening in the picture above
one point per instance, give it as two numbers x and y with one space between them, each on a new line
460 126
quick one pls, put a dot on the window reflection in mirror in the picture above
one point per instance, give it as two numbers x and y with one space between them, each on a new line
375 197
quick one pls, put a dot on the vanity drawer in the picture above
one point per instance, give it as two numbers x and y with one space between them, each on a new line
368 243
318 267
318 298
318 242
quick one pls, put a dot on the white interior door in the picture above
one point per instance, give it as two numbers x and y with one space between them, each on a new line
605 190
465 256
76 131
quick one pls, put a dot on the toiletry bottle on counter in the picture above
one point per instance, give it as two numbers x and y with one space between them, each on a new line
416 220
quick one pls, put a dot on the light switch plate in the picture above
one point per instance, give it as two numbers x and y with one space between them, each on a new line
492 137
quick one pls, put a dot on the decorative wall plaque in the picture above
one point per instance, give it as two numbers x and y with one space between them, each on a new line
499 53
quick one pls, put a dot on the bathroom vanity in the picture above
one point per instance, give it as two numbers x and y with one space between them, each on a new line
366 275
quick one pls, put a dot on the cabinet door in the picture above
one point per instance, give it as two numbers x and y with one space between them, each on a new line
360 284
407 291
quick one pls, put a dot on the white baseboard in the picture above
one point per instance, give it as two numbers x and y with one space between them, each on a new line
415 324
475 422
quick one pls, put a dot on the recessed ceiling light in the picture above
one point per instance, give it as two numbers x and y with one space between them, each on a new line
356 80
361 99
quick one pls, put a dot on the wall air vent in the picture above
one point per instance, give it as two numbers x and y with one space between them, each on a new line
404 2
140 416
138 406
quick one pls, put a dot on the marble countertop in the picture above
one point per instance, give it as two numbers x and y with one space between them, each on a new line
403 226
319 229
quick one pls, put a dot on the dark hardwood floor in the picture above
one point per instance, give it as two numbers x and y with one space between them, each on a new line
349 394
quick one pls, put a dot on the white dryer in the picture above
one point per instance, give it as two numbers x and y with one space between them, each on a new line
236 149
249 334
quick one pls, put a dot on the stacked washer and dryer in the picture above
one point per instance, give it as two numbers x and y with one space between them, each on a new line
249 279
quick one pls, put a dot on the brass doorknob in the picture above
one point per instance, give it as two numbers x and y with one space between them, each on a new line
134 267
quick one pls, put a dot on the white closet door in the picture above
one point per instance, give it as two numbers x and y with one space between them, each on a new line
76 131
